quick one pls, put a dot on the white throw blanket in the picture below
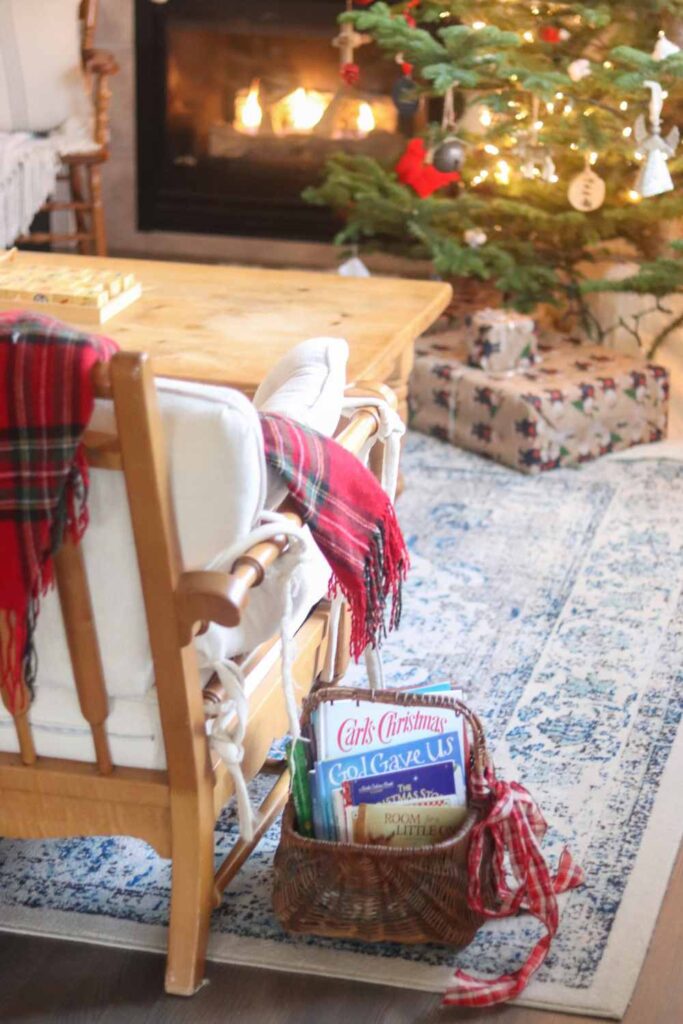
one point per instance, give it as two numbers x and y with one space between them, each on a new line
28 171
28 174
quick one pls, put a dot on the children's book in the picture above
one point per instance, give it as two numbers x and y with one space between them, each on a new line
331 774
348 726
406 824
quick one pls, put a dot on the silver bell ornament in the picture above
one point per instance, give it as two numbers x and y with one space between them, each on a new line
449 156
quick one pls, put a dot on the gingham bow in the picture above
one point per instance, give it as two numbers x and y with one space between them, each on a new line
516 827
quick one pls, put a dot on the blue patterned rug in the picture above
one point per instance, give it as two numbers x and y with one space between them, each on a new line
556 603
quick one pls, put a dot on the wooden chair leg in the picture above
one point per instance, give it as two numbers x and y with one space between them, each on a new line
192 895
99 230
76 188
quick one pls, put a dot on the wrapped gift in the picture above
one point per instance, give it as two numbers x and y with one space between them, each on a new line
577 403
500 340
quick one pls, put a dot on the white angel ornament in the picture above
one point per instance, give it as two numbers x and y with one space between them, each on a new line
654 177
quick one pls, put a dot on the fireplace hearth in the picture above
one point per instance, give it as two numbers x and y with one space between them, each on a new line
240 102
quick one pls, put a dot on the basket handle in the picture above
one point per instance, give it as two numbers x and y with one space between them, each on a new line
478 751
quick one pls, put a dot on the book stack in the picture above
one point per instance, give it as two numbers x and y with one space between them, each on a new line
393 774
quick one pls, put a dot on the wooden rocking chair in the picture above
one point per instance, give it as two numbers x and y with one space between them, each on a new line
82 172
173 810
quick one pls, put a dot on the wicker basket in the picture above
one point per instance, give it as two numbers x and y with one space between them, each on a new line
380 893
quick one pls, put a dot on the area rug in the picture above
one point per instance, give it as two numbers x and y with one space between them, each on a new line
556 604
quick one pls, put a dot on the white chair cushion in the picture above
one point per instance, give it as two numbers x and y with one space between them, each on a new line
217 471
41 82
308 386
218 480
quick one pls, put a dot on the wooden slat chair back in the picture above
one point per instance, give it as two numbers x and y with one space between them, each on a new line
173 810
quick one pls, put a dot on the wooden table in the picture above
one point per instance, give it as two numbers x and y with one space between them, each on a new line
230 324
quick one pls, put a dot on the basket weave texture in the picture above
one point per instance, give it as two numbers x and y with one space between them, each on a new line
380 893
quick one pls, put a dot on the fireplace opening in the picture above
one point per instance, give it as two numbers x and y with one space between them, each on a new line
240 103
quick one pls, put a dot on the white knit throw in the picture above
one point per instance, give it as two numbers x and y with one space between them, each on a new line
28 175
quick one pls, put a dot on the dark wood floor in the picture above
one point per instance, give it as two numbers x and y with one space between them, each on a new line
49 980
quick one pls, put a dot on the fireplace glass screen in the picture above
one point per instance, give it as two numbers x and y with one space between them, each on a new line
249 105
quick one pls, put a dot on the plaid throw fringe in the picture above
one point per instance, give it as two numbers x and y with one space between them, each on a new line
515 827
352 520
46 404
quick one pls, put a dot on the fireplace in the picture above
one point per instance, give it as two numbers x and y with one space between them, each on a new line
240 102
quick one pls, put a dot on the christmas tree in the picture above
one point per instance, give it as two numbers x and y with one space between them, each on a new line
556 147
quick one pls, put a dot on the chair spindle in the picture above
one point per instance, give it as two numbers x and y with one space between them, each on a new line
84 649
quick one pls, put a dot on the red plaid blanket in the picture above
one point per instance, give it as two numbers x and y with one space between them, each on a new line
351 518
47 402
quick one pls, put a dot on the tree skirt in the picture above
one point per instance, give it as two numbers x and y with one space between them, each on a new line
555 602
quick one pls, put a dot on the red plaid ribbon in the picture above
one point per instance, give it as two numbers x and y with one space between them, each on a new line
351 518
516 827
47 402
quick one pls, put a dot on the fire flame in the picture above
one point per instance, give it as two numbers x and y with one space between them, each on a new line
305 107
366 119
251 113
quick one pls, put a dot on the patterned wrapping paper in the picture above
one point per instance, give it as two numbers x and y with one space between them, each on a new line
500 340
577 403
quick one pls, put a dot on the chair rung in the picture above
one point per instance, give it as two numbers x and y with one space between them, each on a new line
53 207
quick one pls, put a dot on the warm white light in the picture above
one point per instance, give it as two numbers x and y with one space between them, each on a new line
478 25
627 133
554 178
538 125
633 196
248 112
305 108
623 105
550 107
365 121
486 118
573 145
593 159
559 95
638 155
490 148
502 172
528 36
607 64
567 109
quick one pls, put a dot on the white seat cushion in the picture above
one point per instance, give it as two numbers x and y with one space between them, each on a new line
41 81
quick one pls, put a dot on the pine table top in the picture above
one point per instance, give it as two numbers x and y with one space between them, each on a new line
229 324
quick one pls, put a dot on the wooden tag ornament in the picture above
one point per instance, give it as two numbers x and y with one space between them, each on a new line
587 191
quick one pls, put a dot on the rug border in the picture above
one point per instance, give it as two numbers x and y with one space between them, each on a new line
607 997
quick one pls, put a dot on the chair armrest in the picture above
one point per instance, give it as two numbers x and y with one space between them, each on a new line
203 597
99 65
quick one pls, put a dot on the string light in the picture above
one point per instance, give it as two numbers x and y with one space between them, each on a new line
607 64
567 109
623 105
514 78
593 159
550 107
485 118
528 36
559 95
477 25
538 125
502 172
574 146
554 178
490 148
627 133
633 196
